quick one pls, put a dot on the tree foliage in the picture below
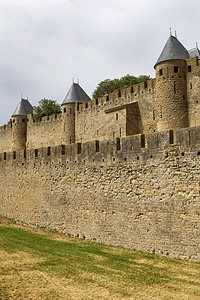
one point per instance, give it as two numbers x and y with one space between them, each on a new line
46 107
108 86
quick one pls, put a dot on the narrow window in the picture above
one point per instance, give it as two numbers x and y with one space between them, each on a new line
118 143
107 98
153 114
171 137
132 89
79 148
23 120
96 101
142 141
63 149
64 110
14 154
174 87
24 153
145 84
183 97
189 68
97 146
70 140
120 132
4 155
190 85
48 151
117 117
97 131
36 152
86 105
160 72
176 69
119 93
13 121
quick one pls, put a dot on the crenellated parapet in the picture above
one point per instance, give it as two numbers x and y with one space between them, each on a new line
139 149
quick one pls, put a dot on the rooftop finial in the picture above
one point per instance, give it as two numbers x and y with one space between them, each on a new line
170 31
72 79
78 81
21 96
196 45
175 34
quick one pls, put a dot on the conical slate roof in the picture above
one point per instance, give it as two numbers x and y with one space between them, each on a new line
194 52
23 108
76 94
173 49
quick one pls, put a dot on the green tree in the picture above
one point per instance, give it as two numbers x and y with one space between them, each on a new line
46 107
108 86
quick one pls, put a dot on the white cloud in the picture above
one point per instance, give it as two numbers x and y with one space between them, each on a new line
44 43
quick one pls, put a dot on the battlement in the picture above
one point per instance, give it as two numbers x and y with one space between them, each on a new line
45 119
122 97
133 149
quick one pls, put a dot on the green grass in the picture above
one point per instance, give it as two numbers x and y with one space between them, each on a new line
121 268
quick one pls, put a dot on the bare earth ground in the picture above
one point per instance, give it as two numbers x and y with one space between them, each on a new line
20 280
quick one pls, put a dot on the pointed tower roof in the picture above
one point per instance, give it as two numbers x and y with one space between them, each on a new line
23 108
173 49
76 94
194 52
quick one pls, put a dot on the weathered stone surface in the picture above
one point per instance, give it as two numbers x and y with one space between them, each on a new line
143 198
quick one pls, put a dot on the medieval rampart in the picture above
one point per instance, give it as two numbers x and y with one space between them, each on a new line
5 138
140 191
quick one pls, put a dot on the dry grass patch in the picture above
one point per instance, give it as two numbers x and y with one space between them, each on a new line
52 266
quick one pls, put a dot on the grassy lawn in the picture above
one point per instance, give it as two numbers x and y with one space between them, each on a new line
35 264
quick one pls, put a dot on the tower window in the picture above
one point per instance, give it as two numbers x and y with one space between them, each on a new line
64 110
97 146
117 117
160 72
189 68
23 120
36 152
190 85
48 151
153 114
174 87
175 69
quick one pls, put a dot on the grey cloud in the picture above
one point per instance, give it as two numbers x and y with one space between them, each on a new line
43 44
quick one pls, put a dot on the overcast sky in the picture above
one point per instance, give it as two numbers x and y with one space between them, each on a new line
45 43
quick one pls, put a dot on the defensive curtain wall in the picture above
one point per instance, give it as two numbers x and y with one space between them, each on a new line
139 192
133 110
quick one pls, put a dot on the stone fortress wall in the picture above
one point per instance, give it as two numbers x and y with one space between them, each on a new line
122 169
138 192
130 111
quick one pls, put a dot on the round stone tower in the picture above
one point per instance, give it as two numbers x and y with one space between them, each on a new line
171 97
70 104
19 124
